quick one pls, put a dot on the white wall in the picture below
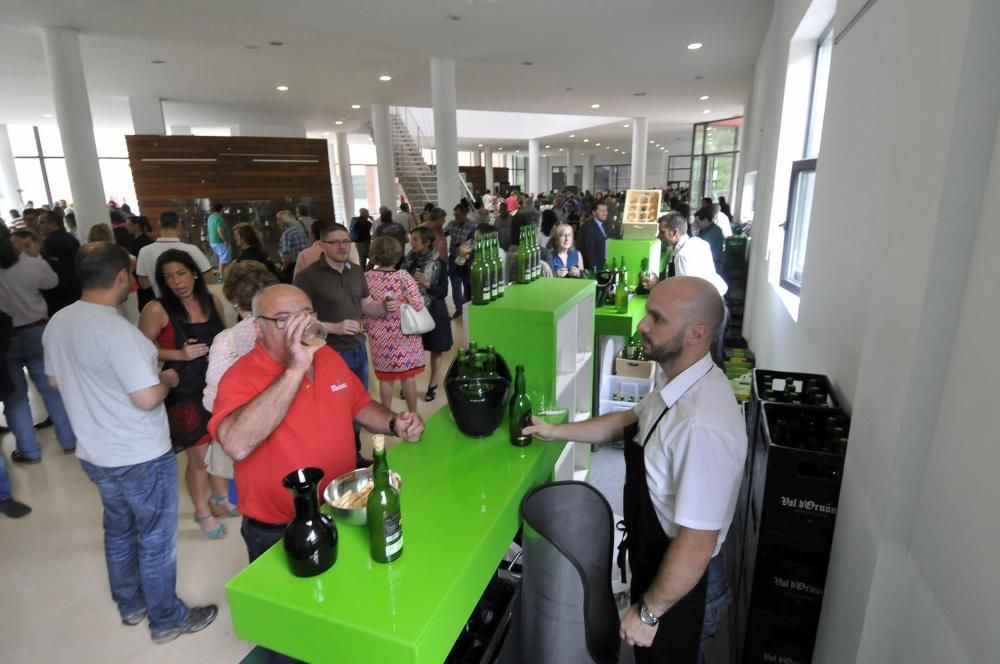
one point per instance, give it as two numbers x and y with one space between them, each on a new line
889 310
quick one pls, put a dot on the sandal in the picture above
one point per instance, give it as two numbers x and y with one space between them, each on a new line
431 393
221 506
216 533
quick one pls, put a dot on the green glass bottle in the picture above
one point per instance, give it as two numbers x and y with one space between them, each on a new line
621 294
519 410
643 271
522 260
614 270
498 261
624 269
494 272
385 528
491 362
480 277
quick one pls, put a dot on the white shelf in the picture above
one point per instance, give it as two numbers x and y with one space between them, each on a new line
581 475
565 380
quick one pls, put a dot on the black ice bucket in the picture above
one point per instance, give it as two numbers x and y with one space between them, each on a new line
478 404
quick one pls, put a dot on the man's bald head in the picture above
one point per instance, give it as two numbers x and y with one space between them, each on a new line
275 300
696 299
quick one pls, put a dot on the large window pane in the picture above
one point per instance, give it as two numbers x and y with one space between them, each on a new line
55 169
51 141
118 183
29 176
110 144
22 140
720 138
817 104
797 229
719 175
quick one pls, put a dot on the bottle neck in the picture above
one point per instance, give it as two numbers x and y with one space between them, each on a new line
380 465
306 502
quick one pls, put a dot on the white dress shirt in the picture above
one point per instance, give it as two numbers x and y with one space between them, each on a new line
19 289
693 258
695 456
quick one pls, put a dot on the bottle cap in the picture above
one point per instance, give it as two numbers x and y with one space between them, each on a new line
378 442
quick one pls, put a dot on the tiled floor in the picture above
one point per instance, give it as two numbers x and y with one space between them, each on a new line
55 604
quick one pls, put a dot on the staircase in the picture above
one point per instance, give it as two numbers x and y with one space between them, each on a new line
417 181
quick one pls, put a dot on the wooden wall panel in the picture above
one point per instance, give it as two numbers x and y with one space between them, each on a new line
476 177
228 168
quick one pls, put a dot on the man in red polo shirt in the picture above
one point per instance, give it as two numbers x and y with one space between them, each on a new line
284 406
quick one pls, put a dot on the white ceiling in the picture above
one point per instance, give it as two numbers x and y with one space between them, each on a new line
584 52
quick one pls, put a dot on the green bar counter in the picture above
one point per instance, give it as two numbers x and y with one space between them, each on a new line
460 498
608 322
634 251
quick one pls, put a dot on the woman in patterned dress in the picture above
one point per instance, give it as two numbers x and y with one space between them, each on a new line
395 356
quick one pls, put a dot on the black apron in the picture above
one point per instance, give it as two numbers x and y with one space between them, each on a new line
678 637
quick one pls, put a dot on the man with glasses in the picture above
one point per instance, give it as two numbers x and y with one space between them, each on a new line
285 405
339 293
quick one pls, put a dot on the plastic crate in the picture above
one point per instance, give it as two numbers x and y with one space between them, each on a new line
483 635
771 638
797 470
789 575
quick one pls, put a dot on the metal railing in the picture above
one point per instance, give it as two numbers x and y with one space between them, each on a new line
403 113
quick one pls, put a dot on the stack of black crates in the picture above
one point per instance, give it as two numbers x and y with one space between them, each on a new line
734 264
778 547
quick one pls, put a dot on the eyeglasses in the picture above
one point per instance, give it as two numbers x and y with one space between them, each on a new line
281 321
336 242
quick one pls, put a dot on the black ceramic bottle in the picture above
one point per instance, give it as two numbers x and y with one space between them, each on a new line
311 537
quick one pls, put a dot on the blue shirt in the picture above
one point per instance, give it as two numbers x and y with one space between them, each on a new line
572 260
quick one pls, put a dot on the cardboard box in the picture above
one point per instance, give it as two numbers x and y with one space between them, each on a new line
635 368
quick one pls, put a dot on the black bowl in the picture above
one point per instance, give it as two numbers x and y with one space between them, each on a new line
478 404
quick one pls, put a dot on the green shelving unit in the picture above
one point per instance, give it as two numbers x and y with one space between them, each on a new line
548 326
634 251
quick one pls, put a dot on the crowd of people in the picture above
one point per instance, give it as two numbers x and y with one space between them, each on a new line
157 373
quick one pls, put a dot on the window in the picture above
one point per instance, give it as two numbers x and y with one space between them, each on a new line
817 100
713 159
800 199
612 177
803 180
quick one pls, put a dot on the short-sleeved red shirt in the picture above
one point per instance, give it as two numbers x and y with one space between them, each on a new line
316 431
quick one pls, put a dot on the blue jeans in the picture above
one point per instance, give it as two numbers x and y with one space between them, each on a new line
4 480
223 253
717 598
26 352
140 538
357 361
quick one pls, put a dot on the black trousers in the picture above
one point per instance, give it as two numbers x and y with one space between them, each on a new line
260 537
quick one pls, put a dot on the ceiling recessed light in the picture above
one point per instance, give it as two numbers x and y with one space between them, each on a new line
527 63
370 140
355 106
595 105
282 88
638 94
572 135
694 46
501 149
276 43
48 115
703 98
569 89
547 147
516 150
339 122
616 149
251 47
597 144
158 62
651 142
560 149
657 145
586 140
707 111
385 77
624 153
480 145
699 77
626 126
454 17
607 147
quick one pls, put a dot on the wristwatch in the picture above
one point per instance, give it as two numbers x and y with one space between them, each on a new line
646 616
392 425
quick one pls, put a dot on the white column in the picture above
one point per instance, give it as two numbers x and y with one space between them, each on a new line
445 131
343 155
488 165
147 116
664 170
185 130
543 174
475 158
8 176
72 106
534 168
588 173
383 155
640 135
570 171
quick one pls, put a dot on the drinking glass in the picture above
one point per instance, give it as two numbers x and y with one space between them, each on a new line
314 334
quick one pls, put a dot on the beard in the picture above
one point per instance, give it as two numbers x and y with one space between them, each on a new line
668 351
